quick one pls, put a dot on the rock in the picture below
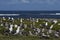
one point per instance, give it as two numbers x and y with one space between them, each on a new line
49 31
45 36
25 25
38 30
30 33
43 30
56 35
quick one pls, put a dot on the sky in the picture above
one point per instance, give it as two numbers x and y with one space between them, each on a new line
29 5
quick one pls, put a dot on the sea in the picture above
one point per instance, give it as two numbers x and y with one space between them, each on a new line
32 14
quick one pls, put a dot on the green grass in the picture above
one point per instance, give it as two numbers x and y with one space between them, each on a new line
19 37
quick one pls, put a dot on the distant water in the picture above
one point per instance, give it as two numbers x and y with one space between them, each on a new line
33 14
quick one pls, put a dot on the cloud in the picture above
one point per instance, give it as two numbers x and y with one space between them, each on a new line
13 1
25 1
28 1
40 1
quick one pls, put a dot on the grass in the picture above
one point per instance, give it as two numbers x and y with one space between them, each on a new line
19 37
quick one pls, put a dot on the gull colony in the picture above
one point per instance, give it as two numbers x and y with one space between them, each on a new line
19 27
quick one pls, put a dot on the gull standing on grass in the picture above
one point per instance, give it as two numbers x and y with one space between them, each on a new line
11 28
